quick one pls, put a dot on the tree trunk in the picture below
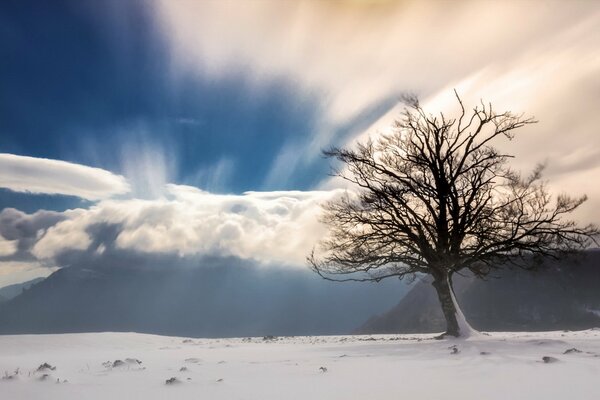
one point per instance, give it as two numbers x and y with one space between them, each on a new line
456 324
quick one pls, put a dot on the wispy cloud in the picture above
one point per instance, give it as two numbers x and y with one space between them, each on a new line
213 178
357 54
148 167
41 175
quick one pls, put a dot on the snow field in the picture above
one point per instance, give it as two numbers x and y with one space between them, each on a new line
494 366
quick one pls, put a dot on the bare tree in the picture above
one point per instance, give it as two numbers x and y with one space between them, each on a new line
434 197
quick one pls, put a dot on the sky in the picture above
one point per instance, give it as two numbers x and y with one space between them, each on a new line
195 128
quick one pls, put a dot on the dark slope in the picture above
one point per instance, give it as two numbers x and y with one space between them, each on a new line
564 295
203 301
12 291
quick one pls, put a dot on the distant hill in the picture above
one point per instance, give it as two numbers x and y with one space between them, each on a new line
563 295
12 291
217 301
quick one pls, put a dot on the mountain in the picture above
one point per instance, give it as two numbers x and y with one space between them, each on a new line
208 301
562 295
12 291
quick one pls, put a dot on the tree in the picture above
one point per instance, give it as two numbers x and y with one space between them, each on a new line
435 197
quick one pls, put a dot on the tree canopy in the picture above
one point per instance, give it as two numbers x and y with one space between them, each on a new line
436 197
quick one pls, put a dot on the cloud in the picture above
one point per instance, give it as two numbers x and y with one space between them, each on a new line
64 235
356 54
269 227
157 218
20 231
7 247
41 175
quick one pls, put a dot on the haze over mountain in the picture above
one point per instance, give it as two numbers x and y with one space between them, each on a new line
233 298
219 299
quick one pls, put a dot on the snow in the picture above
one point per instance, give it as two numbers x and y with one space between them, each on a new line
465 329
488 366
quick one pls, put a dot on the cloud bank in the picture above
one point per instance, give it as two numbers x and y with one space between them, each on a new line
267 227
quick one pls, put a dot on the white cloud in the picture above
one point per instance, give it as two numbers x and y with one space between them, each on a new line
7 247
67 234
41 175
270 227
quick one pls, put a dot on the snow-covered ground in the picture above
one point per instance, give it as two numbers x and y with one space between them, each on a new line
498 366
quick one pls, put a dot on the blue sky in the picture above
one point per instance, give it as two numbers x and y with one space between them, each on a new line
110 110
88 82
83 79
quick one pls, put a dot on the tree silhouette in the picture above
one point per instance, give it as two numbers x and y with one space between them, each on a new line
435 197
